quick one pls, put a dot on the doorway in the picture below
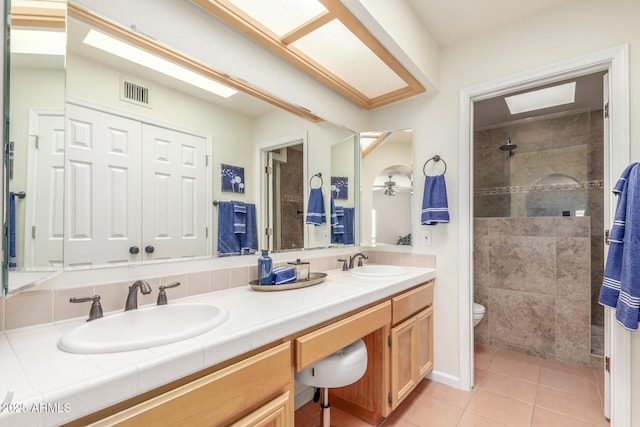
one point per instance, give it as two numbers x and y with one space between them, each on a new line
616 149
538 221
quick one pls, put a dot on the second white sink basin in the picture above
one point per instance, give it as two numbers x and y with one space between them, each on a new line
375 270
143 328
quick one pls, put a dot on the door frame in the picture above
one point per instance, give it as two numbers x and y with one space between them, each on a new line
616 157
261 159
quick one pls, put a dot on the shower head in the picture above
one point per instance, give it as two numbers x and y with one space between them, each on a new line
508 147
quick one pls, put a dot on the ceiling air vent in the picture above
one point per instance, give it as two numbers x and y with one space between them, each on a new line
134 93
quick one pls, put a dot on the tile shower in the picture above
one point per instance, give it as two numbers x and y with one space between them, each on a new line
538 235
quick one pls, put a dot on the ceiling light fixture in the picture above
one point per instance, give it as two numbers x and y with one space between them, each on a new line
131 53
38 42
389 191
542 98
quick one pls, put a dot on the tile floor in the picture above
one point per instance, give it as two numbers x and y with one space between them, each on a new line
512 389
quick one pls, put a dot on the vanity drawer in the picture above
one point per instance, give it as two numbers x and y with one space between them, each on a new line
217 398
321 343
410 302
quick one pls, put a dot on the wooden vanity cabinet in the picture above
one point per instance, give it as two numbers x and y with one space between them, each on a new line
257 391
411 341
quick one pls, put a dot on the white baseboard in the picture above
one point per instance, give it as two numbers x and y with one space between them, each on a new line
303 394
445 379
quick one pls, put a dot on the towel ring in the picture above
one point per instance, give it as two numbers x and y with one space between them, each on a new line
436 159
318 175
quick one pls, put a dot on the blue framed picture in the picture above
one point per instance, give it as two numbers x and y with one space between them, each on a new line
340 187
232 178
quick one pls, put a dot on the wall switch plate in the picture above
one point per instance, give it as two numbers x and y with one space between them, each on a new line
426 237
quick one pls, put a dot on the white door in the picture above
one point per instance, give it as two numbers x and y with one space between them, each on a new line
174 196
102 180
45 188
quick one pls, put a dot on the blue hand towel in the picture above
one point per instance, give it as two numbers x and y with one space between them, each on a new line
435 206
228 242
333 213
345 236
621 284
12 231
338 227
283 275
315 207
239 217
249 239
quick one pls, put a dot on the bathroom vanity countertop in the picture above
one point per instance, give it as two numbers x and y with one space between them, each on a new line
52 387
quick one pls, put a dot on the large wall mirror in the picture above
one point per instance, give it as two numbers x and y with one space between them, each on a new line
115 163
387 187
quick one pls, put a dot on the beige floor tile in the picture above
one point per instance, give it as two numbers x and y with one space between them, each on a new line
424 411
482 355
444 393
343 419
470 419
500 409
579 386
508 386
568 404
567 368
545 418
394 421
517 368
502 354
477 375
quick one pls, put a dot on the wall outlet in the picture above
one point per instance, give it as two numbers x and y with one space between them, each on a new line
426 237
325 236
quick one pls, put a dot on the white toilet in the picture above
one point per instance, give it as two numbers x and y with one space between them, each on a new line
478 313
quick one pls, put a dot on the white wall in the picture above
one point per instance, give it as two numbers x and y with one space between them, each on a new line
564 33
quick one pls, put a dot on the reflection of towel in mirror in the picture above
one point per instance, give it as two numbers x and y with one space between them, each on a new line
12 231
239 217
435 206
334 213
228 242
621 284
344 235
337 227
249 239
231 242
315 207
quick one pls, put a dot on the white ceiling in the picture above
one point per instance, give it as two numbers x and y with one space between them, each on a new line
451 21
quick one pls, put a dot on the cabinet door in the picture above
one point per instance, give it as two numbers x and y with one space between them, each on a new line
404 363
424 332
102 188
273 414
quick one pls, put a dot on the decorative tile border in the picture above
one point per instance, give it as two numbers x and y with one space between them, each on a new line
587 185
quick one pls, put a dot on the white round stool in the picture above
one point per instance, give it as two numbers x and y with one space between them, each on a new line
342 368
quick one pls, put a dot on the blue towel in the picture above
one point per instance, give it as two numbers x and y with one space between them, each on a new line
338 227
315 207
239 217
621 284
283 275
228 242
12 231
346 236
249 239
435 207
333 213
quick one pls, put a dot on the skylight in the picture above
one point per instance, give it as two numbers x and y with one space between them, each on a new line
131 53
542 98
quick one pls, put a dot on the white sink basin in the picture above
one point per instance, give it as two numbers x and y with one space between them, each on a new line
372 271
142 328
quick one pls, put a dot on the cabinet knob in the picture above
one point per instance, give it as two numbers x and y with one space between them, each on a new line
134 250
149 249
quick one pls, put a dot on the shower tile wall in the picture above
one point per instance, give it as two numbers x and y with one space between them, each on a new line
529 274
568 145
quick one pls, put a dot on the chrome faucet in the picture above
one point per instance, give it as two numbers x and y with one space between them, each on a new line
132 297
360 257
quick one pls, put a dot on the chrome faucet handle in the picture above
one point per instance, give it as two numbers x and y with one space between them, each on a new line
162 295
345 266
360 256
96 308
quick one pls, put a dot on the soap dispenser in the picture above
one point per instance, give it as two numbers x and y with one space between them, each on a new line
265 269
